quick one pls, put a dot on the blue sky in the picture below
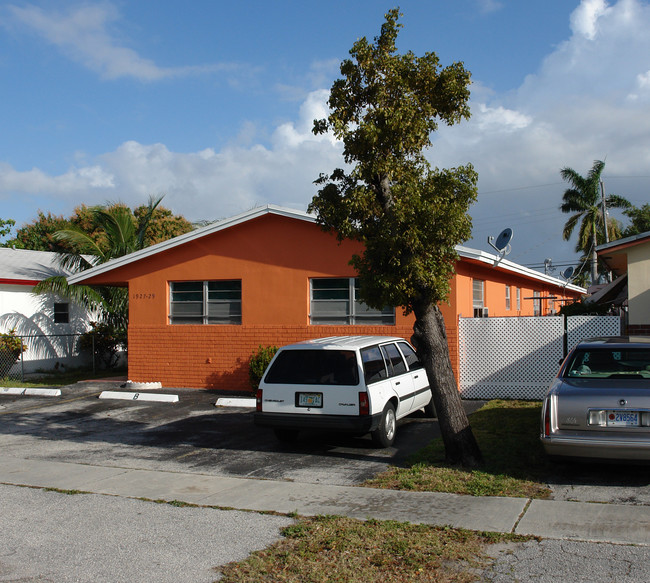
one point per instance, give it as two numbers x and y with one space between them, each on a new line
211 103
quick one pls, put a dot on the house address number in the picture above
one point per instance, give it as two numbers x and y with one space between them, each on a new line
143 296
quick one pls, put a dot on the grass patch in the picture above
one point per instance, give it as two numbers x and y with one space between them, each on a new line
328 548
63 491
61 379
514 461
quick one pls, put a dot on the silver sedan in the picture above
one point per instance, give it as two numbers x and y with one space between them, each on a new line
598 406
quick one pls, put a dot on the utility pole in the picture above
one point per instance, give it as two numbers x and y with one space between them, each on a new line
602 193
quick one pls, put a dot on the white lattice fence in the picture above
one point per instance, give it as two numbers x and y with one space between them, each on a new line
517 358
509 358
579 327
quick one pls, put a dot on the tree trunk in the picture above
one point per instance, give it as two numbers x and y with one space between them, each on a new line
430 340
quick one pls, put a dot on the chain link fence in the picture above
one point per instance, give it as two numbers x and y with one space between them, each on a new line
44 353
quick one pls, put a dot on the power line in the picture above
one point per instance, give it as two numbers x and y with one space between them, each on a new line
519 188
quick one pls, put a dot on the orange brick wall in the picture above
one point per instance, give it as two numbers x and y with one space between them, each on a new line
216 357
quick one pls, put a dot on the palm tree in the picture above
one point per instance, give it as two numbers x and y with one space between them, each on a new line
585 200
122 235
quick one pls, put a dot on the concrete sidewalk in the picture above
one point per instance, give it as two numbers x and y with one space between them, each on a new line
545 518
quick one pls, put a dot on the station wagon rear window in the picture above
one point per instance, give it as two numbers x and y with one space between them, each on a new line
314 367
610 363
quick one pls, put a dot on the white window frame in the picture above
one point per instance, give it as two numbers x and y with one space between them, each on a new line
508 305
478 297
355 312
205 315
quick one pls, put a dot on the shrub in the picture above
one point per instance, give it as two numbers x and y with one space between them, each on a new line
258 363
108 340
11 347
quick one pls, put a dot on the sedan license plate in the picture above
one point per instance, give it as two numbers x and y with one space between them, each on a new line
622 418
309 400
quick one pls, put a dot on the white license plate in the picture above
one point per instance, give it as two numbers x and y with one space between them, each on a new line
622 418
310 400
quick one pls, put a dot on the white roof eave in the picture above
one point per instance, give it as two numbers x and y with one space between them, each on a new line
191 236
466 252
504 264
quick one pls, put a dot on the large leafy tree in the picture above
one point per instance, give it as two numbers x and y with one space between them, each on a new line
640 217
39 234
5 226
99 235
409 216
584 200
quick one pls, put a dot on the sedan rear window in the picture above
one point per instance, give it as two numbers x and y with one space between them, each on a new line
314 367
627 363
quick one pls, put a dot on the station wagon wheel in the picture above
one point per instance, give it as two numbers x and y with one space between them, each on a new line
384 435
286 435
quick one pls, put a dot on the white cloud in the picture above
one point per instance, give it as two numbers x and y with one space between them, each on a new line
584 20
82 34
588 100
487 6
500 119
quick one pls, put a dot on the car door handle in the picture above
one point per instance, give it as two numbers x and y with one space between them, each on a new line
416 376
397 382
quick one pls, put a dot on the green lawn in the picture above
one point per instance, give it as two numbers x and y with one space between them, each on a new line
515 465
328 548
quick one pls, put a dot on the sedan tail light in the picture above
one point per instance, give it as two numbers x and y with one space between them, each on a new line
547 418
258 400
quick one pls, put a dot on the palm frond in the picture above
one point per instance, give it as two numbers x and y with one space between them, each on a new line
573 201
616 201
596 171
77 242
570 225
145 221
81 295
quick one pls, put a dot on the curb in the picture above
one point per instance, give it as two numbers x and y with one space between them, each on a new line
131 396
235 402
30 392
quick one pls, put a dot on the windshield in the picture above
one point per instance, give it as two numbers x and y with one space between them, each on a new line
632 363
314 367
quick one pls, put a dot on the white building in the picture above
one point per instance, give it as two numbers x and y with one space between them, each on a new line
50 326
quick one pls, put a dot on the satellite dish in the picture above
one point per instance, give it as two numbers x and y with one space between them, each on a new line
504 238
567 273
502 245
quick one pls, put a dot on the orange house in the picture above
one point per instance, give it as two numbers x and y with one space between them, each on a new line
200 304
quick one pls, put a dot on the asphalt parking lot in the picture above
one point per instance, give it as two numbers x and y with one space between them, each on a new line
192 435
195 436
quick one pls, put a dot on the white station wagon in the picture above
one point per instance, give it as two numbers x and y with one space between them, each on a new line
353 384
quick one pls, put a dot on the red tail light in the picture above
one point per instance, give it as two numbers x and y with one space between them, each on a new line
364 404
258 400
547 418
